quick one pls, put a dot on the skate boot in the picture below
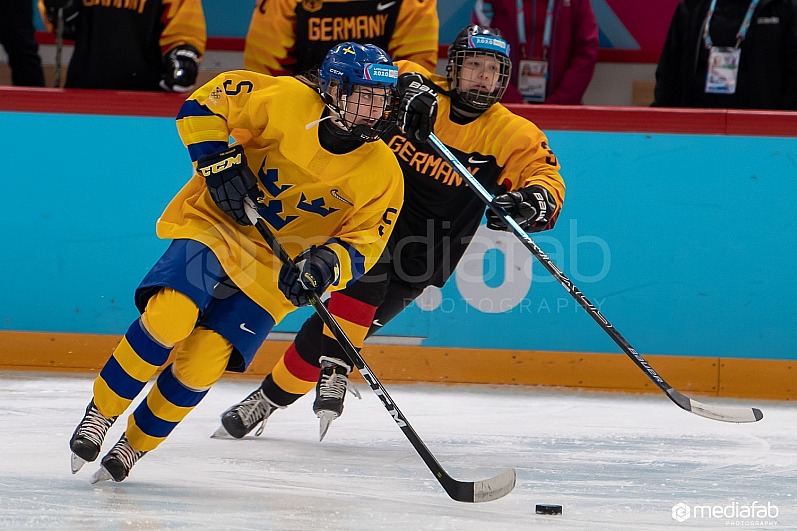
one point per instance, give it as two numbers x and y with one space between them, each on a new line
244 416
87 439
117 464
333 381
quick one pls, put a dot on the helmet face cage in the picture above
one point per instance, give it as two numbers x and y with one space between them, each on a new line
358 83
366 111
479 67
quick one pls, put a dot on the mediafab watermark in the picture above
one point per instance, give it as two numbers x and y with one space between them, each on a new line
735 514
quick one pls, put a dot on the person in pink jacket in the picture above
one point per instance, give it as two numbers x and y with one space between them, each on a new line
554 47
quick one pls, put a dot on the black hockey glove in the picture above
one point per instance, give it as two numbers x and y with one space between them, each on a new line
315 270
71 9
230 181
532 208
180 66
417 111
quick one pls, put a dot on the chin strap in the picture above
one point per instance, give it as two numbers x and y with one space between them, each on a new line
316 122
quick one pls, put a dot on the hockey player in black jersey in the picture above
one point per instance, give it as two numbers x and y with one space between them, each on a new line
508 154
132 45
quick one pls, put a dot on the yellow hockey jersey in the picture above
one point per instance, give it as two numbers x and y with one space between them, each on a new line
348 202
293 36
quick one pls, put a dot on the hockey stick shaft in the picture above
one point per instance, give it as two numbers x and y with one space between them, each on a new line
59 46
684 402
464 491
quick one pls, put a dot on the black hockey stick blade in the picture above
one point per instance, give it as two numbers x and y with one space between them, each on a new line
463 491
484 490
726 414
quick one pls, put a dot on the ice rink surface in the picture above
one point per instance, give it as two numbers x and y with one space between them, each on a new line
612 461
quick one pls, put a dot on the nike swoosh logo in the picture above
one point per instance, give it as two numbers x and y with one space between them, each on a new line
243 327
377 323
336 195
381 7
474 160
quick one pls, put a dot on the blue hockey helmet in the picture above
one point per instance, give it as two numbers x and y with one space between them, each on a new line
349 65
474 42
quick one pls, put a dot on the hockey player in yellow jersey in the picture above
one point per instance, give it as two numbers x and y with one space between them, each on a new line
306 153
292 36
506 153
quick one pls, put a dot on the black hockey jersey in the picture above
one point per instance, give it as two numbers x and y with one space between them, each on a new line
120 44
502 150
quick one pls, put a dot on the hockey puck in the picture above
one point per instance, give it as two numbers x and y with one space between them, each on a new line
548 509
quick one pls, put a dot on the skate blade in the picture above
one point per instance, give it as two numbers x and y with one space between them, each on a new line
325 418
77 463
221 433
101 475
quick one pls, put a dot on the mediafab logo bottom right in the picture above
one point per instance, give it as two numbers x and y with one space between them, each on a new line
734 514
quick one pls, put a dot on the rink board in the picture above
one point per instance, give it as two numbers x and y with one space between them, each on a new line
733 378
679 239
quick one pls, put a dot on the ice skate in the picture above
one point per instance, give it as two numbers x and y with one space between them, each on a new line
330 391
244 416
87 439
117 464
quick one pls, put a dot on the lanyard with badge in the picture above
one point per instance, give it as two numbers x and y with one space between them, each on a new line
533 75
723 61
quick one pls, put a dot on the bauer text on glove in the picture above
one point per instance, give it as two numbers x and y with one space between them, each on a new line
418 107
533 208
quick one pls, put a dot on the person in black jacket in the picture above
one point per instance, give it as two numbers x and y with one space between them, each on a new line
17 39
733 54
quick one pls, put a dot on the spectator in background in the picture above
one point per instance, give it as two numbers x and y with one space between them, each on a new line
131 45
290 37
733 54
17 39
554 47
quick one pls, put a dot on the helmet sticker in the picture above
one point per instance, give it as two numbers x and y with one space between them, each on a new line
387 74
490 43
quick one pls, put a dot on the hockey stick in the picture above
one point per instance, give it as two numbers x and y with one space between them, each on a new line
727 414
59 46
463 491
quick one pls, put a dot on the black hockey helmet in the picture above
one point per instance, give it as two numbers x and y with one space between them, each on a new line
475 43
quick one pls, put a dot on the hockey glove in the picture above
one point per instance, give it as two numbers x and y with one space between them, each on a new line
532 208
316 269
180 66
418 107
71 9
230 181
